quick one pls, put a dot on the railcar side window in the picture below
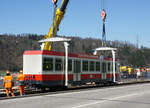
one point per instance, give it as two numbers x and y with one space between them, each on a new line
97 66
69 65
109 66
103 67
48 64
58 64
116 67
85 65
92 65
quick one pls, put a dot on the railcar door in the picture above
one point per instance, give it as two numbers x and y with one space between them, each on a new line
104 70
77 70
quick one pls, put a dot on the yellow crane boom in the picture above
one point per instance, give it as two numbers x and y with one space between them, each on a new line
59 16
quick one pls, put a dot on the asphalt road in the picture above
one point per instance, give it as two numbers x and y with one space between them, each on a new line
132 96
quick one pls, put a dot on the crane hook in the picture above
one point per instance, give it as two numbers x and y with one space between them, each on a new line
54 1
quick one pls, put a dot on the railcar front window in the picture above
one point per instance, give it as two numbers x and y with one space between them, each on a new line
97 66
47 64
85 65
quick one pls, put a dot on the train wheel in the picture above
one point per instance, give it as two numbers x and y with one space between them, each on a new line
43 89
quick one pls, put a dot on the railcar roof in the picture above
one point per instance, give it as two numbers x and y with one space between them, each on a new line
55 53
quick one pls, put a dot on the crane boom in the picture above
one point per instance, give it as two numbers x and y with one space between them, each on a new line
59 16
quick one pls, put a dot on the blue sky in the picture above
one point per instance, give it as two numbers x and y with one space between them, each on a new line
126 19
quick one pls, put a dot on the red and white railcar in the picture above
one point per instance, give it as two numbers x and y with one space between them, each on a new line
47 68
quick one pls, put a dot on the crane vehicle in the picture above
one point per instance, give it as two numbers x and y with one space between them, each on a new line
59 16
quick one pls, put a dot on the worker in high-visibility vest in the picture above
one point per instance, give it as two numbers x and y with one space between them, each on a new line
21 82
129 70
8 83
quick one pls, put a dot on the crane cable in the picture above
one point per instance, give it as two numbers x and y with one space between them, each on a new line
102 4
103 16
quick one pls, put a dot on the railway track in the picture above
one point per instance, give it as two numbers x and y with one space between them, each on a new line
38 92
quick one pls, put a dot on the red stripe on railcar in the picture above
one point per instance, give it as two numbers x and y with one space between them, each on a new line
79 55
111 75
110 59
48 77
90 76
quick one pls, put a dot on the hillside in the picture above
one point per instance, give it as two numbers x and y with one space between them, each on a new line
12 48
